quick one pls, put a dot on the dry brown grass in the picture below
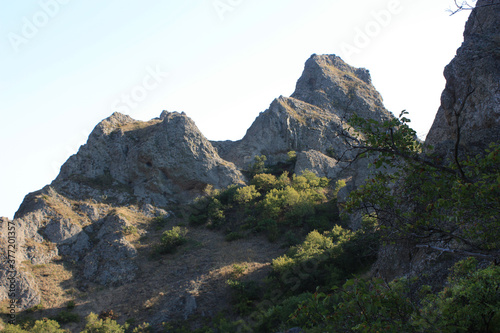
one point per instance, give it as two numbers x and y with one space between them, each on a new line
64 209
55 282
139 125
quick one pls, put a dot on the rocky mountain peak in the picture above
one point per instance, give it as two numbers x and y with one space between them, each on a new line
153 161
327 94
113 122
330 83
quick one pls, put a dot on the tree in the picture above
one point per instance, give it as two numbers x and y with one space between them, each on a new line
467 5
423 198
96 325
259 165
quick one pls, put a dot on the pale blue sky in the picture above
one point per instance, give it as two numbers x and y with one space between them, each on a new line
67 64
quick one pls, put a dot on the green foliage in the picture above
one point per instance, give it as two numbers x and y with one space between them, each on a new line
238 271
65 317
424 198
39 326
292 156
325 259
470 302
130 230
244 295
46 326
159 222
246 194
35 308
269 204
172 239
215 213
232 236
259 165
277 316
96 325
360 305
71 305
10 328
264 182
143 328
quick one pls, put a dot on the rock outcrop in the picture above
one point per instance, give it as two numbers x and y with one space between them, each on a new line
156 162
470 102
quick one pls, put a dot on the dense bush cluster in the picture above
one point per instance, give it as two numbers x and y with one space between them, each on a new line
469 303
325 259
270 204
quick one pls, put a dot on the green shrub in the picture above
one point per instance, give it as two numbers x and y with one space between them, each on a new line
227 195
324 259
10 328
47 326
130 230
264 182
172 239
244 294
65 317
270 227
35 308
216 216
39 326
232 236
143 328
470 301
277 317
259 165
70 305
159 222
246 194
426 198
360 305
96 325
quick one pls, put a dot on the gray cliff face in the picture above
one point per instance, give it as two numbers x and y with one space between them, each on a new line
471 97
157 162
